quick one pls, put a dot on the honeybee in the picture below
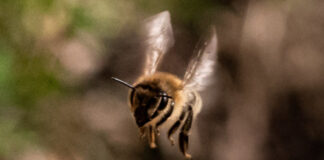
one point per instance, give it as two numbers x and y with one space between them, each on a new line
159 97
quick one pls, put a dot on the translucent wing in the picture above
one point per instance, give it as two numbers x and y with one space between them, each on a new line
201 67
159 38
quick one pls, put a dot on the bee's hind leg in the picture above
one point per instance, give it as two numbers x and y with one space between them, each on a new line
184 133
175 127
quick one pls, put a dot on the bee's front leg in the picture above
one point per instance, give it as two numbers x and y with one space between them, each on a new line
151 136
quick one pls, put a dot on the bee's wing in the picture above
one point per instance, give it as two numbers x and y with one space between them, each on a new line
159 38
202 65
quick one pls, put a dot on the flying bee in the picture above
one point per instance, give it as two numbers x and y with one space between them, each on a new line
159 97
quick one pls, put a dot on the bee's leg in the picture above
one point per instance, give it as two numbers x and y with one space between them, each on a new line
153 130
166 115
152 136
142 132
157 131
163 103
175 126
183 136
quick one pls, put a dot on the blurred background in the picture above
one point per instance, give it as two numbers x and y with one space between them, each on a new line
57 101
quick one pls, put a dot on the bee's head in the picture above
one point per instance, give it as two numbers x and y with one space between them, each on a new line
145 100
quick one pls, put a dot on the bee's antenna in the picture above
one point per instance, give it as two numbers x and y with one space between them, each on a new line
123 82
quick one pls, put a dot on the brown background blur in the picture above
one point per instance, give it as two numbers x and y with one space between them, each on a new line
57 101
